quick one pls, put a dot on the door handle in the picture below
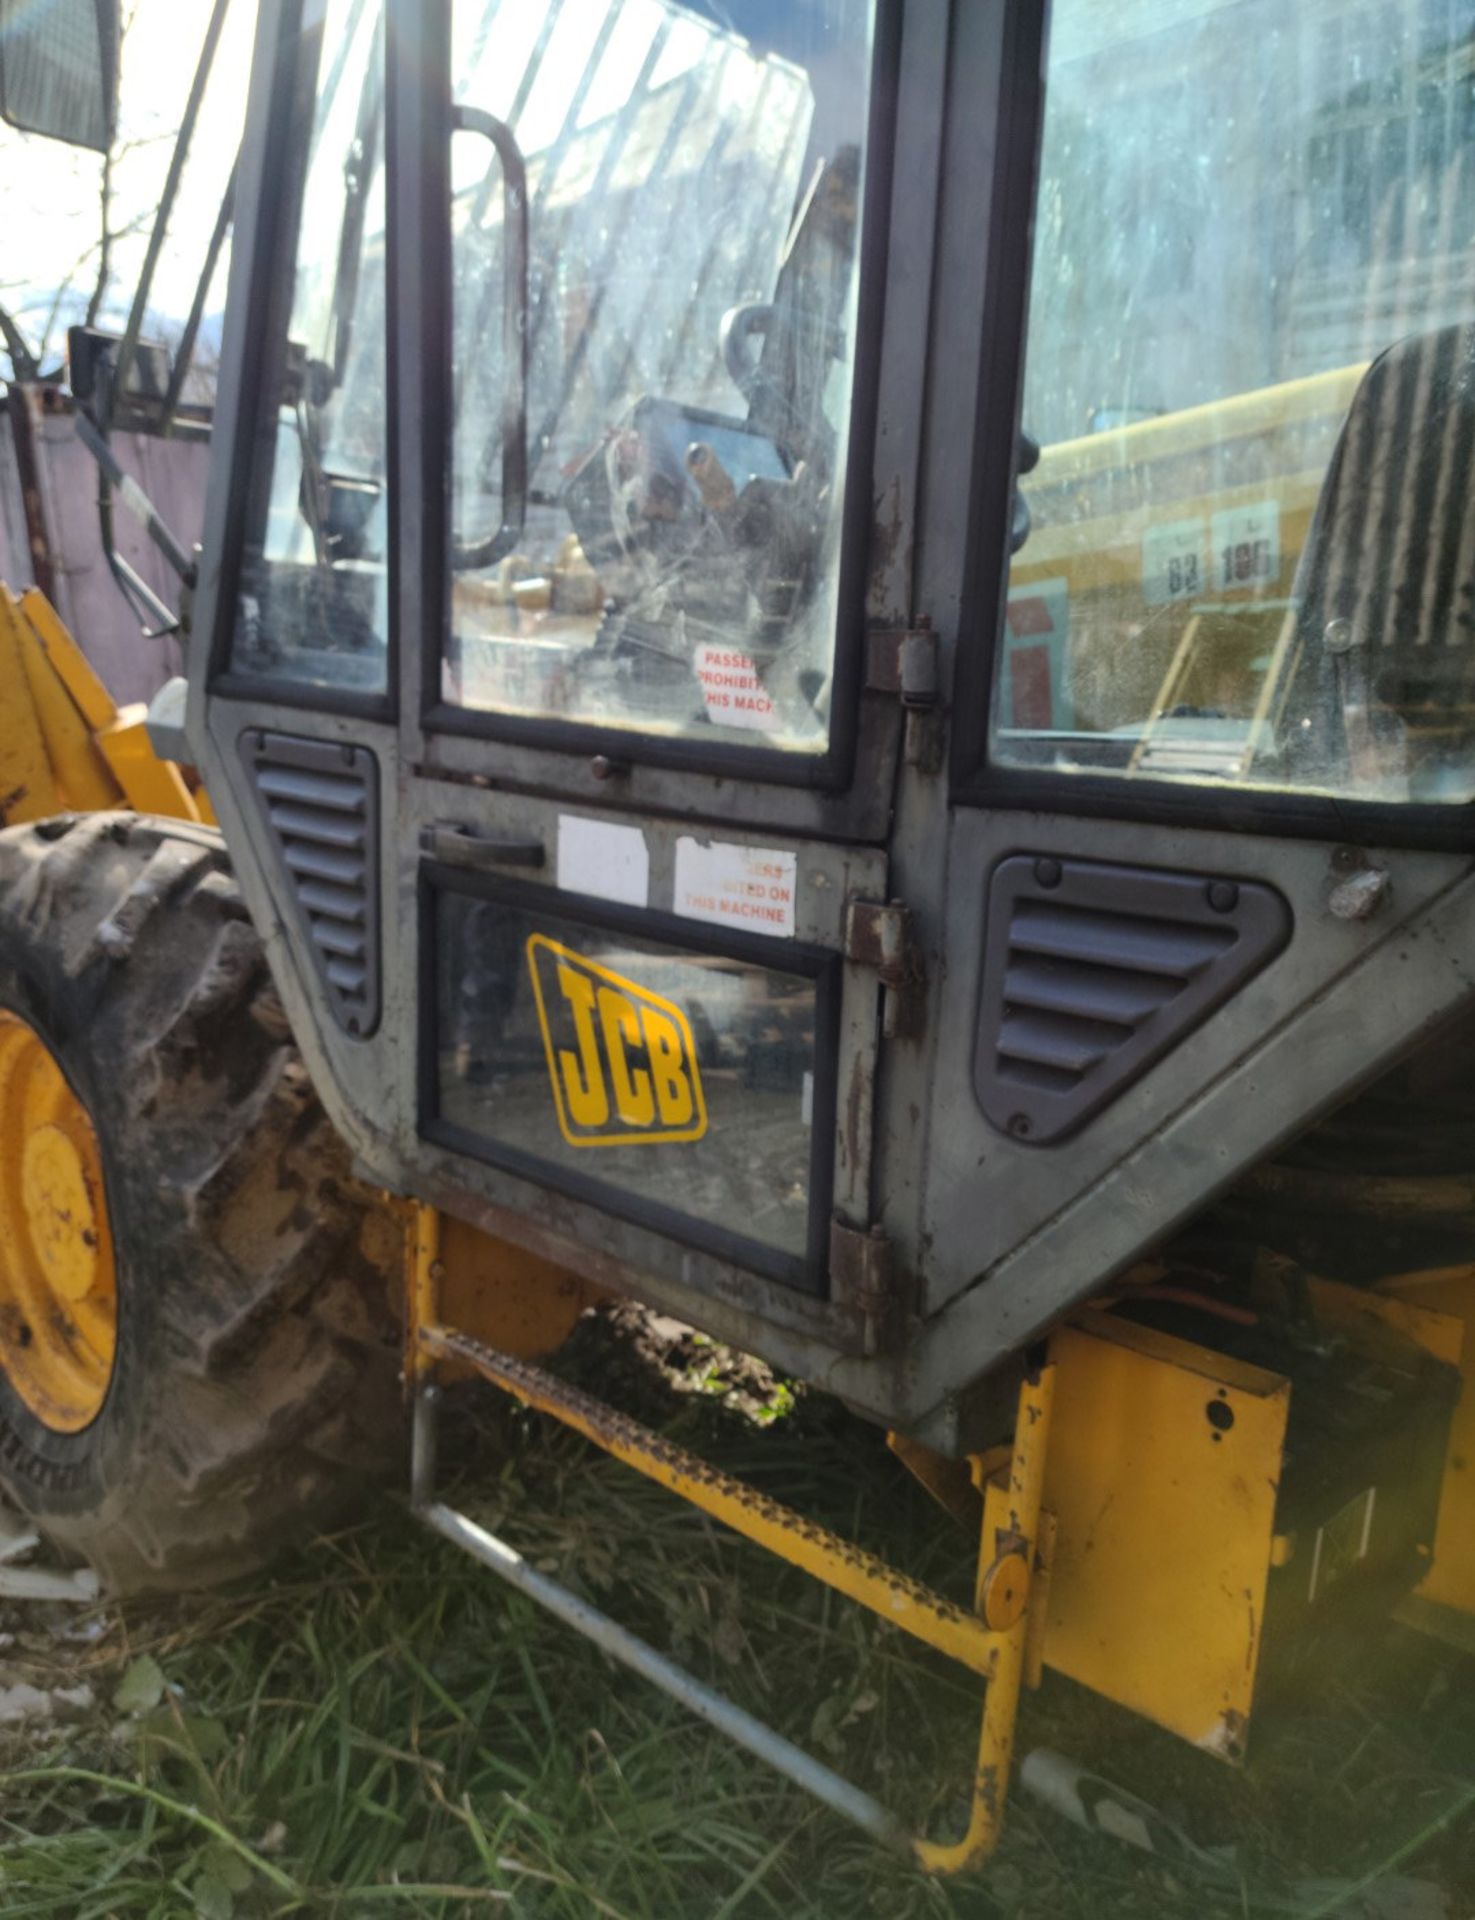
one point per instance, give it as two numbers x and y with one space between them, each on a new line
469 555
457 846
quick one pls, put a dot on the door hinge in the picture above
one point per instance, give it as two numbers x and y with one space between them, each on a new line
880 935
903 661
865 1277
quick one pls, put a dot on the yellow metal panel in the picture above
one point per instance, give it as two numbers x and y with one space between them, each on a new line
509 1298
150 785
73 668
948 1481
1451 1581
1165 1523
81 772
27 784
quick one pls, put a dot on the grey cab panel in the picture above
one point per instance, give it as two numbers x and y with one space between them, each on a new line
660 656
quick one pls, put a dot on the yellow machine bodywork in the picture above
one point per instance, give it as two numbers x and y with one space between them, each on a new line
1167 1515
64 744
1166 1526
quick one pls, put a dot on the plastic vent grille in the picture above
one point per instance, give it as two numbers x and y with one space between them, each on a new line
321 803
1093 972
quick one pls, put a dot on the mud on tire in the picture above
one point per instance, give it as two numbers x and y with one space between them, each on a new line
255 1381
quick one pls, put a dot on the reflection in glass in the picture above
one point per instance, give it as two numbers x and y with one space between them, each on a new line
1251 363
682 1081
693 193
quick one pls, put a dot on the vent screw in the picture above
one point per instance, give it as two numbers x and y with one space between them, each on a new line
1019 1126
1047 873
1339 636
1223 896
603 768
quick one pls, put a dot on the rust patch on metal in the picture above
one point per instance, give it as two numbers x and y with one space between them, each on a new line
888 525
22 432
855 1106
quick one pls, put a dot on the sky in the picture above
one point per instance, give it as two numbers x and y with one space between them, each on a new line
49 193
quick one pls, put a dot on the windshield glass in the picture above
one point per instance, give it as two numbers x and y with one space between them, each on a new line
1251 364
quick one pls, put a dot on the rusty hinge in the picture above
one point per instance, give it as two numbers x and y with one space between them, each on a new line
865 1277
903 661
879 934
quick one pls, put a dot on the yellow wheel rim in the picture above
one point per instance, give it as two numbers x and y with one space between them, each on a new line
58 1279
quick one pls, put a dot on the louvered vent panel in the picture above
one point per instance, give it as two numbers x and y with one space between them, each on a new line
321 803
1093 972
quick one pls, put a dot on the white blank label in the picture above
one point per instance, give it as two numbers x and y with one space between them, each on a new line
598 857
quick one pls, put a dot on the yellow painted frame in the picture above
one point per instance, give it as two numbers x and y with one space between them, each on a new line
999 1639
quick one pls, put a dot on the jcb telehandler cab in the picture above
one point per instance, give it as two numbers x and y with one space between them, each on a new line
833 646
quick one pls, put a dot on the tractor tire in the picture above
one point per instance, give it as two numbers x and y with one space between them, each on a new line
253 1378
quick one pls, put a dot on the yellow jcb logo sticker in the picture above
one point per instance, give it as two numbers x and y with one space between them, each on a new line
622 1061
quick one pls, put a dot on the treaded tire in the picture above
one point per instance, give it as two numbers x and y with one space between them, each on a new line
255 1383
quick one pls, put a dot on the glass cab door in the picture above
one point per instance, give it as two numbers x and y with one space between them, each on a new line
537 678
652 415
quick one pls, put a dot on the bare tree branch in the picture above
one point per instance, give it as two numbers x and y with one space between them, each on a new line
107 236
23 363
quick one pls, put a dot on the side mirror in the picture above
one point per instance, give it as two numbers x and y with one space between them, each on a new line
59 69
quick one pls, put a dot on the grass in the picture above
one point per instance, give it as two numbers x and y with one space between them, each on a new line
381 1728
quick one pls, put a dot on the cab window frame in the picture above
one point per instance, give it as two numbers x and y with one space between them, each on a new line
420 38
805 1273
269 236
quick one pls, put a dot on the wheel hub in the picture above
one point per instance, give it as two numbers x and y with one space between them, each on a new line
58 1283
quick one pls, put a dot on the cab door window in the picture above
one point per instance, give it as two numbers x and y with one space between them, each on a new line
652 423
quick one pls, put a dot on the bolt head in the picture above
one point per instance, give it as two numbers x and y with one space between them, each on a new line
1338 636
